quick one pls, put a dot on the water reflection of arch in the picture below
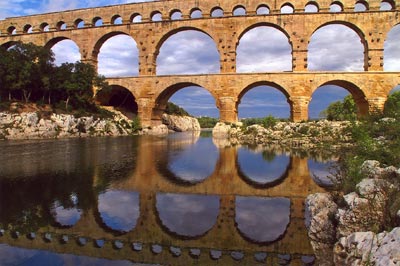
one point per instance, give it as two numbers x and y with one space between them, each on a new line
262 220
187 216
188 160
66 215
117 211
322 172
281 168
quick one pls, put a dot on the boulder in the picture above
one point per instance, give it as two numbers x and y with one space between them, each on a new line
181 123
221 130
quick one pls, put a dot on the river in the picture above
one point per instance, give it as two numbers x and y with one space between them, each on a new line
184 199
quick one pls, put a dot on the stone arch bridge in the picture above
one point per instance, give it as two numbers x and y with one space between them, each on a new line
150 24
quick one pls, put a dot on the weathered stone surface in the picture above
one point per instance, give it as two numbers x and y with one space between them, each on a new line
221 130
181 123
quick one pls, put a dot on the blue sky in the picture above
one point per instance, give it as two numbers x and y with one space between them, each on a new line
263 49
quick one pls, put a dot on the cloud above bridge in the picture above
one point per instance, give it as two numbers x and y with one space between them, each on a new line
263 49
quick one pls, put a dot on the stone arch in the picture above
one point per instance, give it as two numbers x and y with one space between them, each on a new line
361 6
286 52
263 9
356 92
196 13
268 84
239 10
166 36
336 6
352 27
120 98
217 12
9 44
44 27
287 8
175 14
312 7
28 28
97 22
79 23
156 16
116 20
135 18
390 3
12 30
162 99
61 25
52 42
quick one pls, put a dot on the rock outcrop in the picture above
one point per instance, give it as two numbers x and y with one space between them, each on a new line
181 123
351 225
31 125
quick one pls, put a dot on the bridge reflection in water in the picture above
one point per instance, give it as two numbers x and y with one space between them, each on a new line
174 200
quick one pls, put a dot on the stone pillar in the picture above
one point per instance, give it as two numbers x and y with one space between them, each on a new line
376 104
375 59
147 63
299 60
145 109
227 109
299 108
227 58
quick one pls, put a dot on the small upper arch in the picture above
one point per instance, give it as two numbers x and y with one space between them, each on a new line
175 14
217 12
44 27
61 25
116 20
12 30
361 6
97 21
263 10
387 5
136 18
156 16
311 7
239 11
287 8
336 7
79 23
28 28
196 13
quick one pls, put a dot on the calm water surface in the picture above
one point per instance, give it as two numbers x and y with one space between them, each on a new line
185 199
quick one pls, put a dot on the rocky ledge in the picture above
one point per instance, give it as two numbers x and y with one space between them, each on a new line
306 135
346 230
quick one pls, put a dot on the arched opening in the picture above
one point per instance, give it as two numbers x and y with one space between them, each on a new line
116 20
262 168
118 55
119 210
361 6
65 50
97 22
120 98
263 10
391 53
217 12
196 100
79 23
8 45
66 216
177 215
336 7
239 11
12 30
334 93
255 222
61 25
263 99
156 16
337 47
136 18
28 28
188 51
196 13
387 5
311 7
176 15
263 48
287 9
44 27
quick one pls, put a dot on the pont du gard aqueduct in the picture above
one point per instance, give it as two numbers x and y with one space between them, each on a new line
150 24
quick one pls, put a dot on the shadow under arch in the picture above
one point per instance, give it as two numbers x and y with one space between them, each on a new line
120 98
271 181
254 222
187 216
169 34
357 94
8 45
162 99
351 26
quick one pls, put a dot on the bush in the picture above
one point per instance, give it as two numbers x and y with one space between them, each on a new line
207 122
173 109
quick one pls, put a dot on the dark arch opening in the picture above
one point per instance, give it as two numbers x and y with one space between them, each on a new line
175 14
44 27
337 46
97 22
116 20
12 30
121 99
28 28
263 47
61 25
8 45
187 51
262 99
336 90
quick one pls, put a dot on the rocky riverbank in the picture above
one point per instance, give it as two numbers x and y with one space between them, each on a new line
305 135
36 125
347 229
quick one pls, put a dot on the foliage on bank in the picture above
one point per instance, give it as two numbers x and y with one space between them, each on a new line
207 122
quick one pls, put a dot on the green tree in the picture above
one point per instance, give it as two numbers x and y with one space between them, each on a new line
207 122
173 109
392 105
341 110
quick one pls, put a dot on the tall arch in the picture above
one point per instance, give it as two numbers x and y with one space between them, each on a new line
337 46
263 47
271 99
120 98
187 51
163 98
391 54
117 55
64 49
358 95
